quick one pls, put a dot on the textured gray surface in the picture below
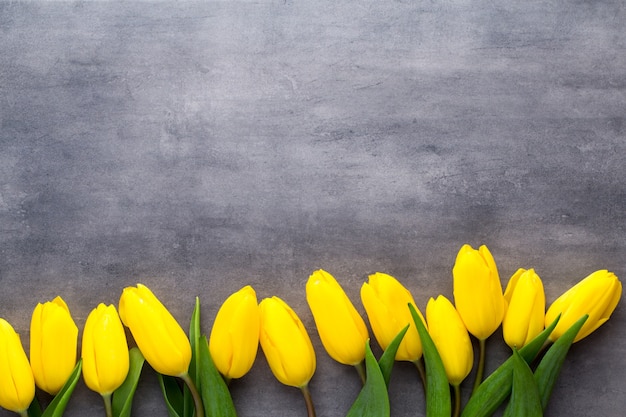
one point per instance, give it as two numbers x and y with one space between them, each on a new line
200 147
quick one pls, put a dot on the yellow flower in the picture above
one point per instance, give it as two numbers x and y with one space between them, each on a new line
524 315
597 295
386 303
286 344
158 335
234 337
341 328
104 350
53 345
477 291
451 339
17 385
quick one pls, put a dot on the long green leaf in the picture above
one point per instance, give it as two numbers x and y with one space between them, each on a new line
525 401
189 407
213 389
56 408
549 368
373 400
34 409
123 396
438 401
172 394
497 386
388 357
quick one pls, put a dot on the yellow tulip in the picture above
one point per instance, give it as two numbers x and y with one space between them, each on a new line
53 345
234 337
477 291
451 339
286 343
524 315
104 350
386 303
597 295
158 335
17 385
341 328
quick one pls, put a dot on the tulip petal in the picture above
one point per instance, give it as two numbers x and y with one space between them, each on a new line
234 337
341 329
285 343
451 339
158 335
53 348
17 385
384 299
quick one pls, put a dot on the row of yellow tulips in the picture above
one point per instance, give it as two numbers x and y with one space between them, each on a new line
480 307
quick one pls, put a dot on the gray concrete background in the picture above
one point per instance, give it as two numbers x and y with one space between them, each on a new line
199 147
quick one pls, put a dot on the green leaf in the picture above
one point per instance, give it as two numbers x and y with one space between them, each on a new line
213 389
549 368
56 408
123 396
373 400
525 400
172 394
34 409
438 401
189 407
388 357
497 386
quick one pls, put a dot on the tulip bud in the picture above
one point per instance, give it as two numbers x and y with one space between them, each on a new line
53 345
234 337
158 335
451 339
104 350
597 295
341 328
17 385
386 303
525 312
286 344
477 291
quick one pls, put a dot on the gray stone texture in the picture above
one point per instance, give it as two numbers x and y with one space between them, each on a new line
198 147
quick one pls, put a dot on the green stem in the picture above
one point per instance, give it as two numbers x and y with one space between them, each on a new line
420 368
308 400
360 368
481 364
23 413
457 400
195 394
107 404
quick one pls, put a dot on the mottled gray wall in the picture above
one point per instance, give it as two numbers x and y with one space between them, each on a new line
199 147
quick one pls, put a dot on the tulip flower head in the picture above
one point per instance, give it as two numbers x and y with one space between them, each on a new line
525 309
286 343
17 384
53 345
234 337
158 335
104 350
477 291
596 295
451 339
341 328
386 303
